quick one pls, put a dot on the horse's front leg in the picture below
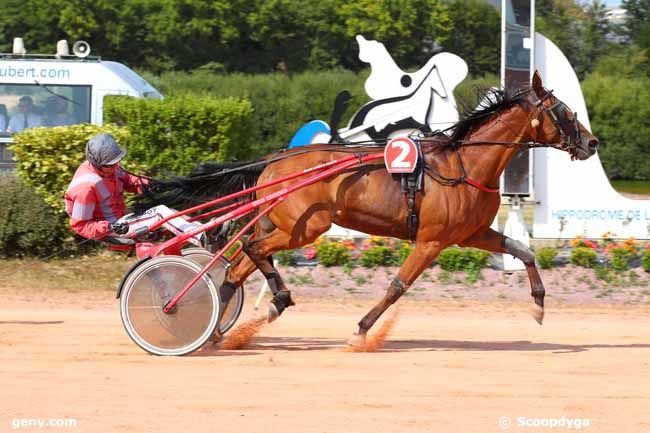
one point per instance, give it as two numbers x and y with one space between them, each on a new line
419 259
491 240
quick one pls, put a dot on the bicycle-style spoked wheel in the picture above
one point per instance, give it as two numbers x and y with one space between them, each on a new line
146 291
232 309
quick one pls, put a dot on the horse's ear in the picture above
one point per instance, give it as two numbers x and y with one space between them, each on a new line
537 84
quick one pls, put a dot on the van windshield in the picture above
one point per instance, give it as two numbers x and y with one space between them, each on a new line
25 106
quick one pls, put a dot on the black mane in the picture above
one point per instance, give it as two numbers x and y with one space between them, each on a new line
491 101
206 182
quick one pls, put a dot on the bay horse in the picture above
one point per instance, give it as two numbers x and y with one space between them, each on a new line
458 203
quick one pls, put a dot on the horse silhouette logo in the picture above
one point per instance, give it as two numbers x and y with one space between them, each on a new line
400 102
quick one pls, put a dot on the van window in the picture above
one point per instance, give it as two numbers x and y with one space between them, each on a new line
30 105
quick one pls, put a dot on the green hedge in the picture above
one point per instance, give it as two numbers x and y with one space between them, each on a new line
28 226
48 157
619 111
171 136
281 103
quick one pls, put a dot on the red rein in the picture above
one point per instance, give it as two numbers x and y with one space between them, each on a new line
479 186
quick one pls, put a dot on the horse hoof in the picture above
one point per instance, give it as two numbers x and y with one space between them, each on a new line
273 313
538 313
357 341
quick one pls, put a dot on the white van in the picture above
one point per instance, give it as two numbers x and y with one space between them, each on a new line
55 90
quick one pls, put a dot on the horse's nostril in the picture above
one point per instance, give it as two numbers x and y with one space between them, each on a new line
593 144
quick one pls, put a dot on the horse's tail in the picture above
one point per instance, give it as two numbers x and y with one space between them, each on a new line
206 182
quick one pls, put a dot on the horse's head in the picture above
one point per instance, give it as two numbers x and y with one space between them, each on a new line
556 125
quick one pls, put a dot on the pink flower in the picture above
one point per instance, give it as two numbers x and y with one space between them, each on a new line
309 252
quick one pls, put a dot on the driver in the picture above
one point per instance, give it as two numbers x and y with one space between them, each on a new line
95 198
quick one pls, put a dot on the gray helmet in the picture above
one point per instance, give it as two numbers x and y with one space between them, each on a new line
102 149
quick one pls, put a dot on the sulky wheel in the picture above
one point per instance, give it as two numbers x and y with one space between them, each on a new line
149 287
231 311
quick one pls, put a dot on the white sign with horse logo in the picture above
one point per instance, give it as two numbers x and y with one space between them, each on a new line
400 102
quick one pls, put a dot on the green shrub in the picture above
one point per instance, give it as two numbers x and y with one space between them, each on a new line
449 259
281 103
583 256
378 255
545 257
645 260
48 157
468 260
285 258
331 253
620 258
28 226
171 136
462 259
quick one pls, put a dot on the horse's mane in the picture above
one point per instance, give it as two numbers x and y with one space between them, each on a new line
491 101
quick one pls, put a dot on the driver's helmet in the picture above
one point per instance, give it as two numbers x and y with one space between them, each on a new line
102 149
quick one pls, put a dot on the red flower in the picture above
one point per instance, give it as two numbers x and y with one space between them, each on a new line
309 252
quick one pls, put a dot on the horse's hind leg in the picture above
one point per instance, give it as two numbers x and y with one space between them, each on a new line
259 251
419 259
491 240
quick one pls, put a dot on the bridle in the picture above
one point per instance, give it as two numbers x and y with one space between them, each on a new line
569 130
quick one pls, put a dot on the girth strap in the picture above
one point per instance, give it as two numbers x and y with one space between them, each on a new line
412 183
412 219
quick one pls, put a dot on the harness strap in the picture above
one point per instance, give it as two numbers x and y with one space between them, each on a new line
412 219
477 185
412 183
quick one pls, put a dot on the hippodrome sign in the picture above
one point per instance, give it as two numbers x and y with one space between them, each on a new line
400 155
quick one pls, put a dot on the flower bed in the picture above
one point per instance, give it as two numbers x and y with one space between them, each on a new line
379 251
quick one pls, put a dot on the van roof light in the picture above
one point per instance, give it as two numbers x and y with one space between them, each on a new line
62 48
19 46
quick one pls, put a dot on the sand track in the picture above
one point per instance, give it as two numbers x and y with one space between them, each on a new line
444 367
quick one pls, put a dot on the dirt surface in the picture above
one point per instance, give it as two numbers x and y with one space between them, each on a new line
446 366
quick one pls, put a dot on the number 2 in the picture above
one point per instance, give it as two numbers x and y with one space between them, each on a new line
400 160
